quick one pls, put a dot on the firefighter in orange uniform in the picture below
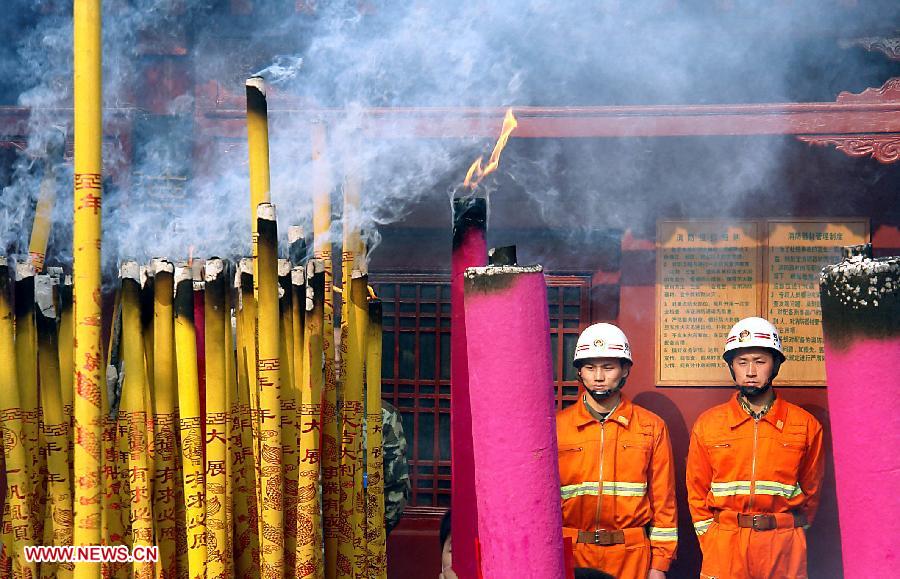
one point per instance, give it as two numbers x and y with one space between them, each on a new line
754 468
615 462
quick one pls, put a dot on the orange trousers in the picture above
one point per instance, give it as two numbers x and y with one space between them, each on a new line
732 552
632 559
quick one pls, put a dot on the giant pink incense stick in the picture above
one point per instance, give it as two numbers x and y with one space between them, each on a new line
861 324
513 423
469 250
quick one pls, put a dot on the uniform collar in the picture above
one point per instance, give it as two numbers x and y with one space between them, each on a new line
621 415
775 416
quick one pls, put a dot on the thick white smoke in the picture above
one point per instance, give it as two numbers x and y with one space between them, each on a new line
351 56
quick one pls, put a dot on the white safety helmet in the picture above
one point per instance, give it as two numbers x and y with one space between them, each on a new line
753 333
601 341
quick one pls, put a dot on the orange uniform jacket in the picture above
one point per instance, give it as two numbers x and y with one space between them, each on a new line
735 463
629 457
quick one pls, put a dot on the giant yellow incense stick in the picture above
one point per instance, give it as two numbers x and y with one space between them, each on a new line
56 423
133 413
289 401
321 183
233 440
40 229
351 543
167 500
246 515
18 528
249 308
375 525
89 369
258 150
217 422
26 358
190 426
309 523
146 304
269 386
354 313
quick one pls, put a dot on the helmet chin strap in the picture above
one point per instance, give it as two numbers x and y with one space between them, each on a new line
754 391
603 396
757 390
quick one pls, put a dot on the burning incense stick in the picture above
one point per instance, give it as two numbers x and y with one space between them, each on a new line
235 451
861 325
168 499
351 552
508 330
376 554
249 351
469 250
88 194
133 415
268 379
56 424
309 520
15 454
27 374
43 212
257 147
246 514
217 423
189 419
322 251
289 401
476 172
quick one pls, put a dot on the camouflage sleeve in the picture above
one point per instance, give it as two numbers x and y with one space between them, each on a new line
397 486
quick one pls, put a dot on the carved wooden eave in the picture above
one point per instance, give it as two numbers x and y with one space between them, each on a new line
888 46
883 146
867 124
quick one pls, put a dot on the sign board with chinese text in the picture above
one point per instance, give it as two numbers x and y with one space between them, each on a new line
710 274
707 278
796 250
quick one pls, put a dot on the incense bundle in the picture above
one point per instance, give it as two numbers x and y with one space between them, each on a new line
330 444
56 423
27 383
861 325
350 562
188 384
218 556
289 400
133 416
246 456
309 520
18 529
268 381
168 496
469 250
376 551
508 332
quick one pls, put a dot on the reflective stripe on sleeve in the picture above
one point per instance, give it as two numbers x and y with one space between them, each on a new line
702 526
663 533
610 488
763 487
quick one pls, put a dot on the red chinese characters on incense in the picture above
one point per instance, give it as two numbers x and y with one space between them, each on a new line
861 326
